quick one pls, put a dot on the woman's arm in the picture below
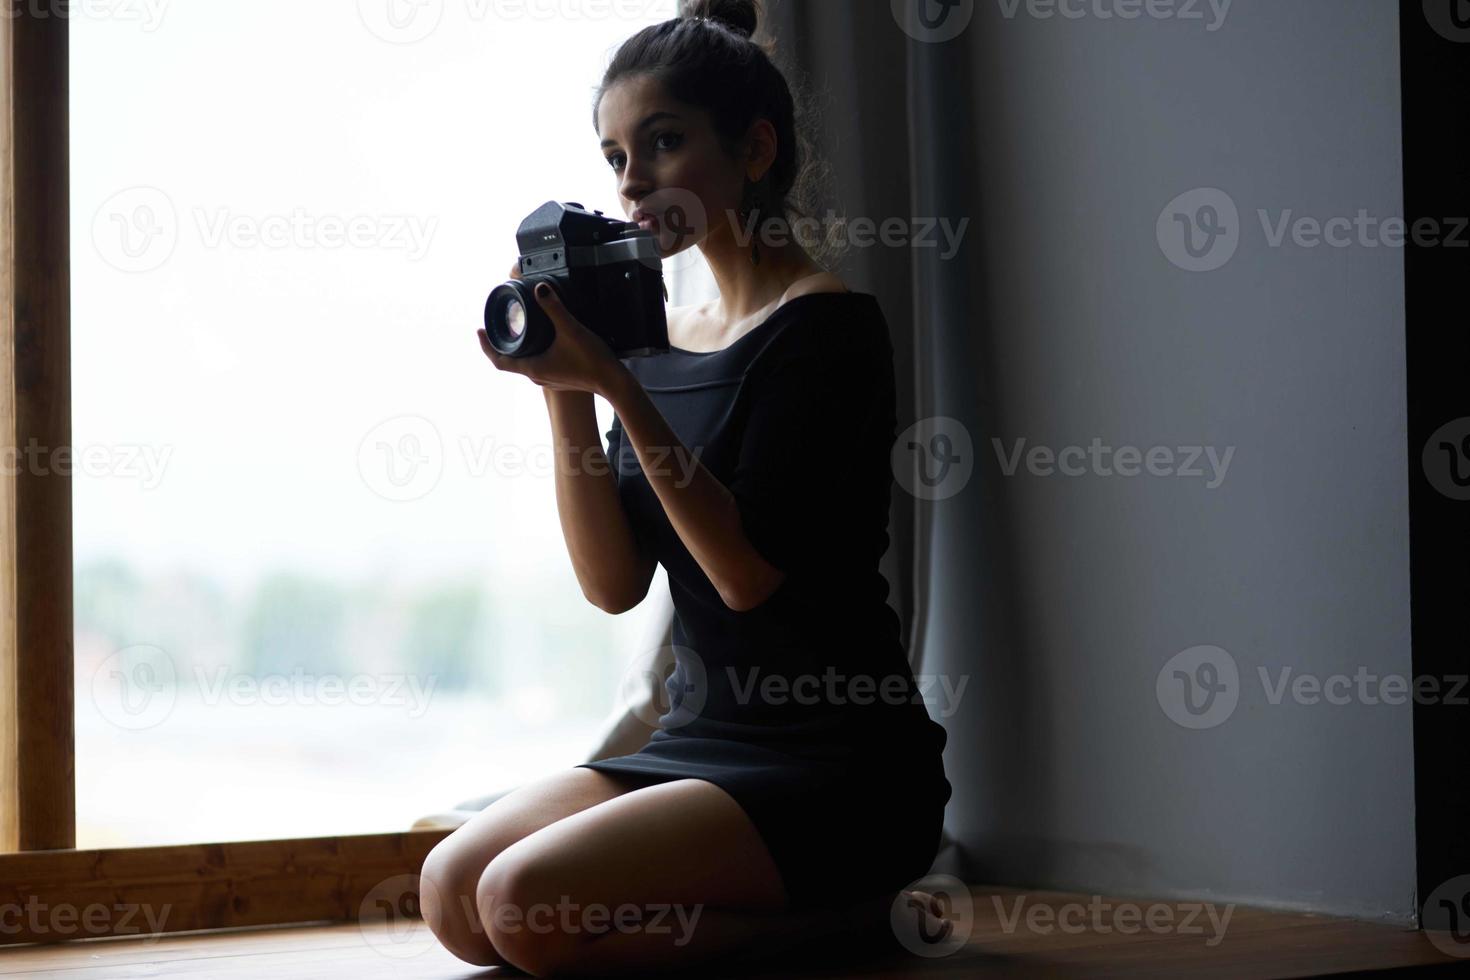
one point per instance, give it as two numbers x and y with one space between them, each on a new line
613 573
702 511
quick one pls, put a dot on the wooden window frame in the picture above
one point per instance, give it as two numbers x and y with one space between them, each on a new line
50 892
208 886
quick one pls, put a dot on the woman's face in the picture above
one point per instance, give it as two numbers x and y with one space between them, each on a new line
673 176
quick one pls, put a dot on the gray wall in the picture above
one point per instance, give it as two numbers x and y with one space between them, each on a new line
1062 598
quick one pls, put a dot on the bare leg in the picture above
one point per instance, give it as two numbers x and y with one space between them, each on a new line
453 868
682 857
728 936
721 935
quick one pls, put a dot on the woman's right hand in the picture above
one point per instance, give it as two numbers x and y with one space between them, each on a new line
579 360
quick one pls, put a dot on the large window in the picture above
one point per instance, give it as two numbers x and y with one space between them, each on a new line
321 586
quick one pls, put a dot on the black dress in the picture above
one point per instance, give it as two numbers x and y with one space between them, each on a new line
803 708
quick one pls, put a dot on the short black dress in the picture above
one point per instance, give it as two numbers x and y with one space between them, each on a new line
804 708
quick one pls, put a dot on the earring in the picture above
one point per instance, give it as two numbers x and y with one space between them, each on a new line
751 203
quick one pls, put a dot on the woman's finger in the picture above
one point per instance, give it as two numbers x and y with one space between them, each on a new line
498 359
552 304
485 344
511 365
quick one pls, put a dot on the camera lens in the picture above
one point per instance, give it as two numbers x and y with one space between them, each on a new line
517 328
515 318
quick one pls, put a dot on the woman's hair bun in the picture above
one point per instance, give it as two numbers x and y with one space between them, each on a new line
740 16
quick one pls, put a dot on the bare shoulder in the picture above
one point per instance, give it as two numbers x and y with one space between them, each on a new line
685 322
685 316
821 282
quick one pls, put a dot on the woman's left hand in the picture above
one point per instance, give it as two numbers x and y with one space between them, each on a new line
577 360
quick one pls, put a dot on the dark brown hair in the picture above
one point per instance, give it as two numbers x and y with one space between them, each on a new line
708 57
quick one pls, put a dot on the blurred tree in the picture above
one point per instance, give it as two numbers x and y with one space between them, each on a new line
108 599
292 622
443 637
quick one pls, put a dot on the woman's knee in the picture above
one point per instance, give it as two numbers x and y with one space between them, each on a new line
524 913
447 885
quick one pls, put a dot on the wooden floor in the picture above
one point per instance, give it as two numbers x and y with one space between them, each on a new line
1000 943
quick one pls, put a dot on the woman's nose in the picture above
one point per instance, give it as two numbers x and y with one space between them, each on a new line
635 185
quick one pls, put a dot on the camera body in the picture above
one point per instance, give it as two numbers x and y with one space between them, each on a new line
607 272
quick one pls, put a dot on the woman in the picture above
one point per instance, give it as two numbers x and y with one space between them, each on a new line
795 785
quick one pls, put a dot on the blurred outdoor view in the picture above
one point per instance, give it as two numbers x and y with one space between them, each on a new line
321 586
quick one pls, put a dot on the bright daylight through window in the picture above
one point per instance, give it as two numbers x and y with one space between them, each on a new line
321 586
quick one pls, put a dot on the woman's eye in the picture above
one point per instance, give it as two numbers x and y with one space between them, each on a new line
663 141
